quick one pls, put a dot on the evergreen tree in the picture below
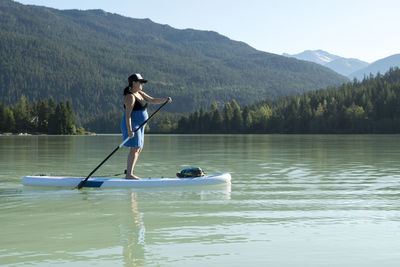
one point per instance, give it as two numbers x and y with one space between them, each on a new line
22 115
247 119
261 119
184 125
69 119
237 120
165 126
2 117
216 120
227 117
202 121
7 121
43 111
64 119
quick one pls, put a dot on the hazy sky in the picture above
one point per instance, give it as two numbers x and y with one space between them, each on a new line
363 29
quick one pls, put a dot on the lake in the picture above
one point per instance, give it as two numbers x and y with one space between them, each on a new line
295 200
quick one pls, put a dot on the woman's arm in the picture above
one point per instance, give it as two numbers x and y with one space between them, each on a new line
129 101
154 100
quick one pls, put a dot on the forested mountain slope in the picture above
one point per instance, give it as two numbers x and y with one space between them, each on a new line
85 57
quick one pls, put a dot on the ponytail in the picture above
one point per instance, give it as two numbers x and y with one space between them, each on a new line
127 91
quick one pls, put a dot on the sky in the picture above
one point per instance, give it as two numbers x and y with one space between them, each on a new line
364 29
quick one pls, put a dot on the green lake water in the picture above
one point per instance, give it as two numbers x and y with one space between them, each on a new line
295 200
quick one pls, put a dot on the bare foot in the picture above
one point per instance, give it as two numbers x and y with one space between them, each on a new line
132 177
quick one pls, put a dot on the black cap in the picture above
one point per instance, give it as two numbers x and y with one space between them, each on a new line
136 78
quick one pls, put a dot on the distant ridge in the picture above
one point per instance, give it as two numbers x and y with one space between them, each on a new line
341 65
86 57
381 66
317 56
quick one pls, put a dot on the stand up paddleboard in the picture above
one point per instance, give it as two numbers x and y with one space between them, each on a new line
59 181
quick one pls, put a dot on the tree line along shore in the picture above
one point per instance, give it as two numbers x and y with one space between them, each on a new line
44 117
368 106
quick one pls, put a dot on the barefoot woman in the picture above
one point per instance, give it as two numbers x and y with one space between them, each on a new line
135 104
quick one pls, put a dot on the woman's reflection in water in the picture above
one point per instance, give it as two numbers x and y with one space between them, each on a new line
133 230
134 236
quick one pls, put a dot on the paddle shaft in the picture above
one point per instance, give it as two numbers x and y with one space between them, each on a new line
82 183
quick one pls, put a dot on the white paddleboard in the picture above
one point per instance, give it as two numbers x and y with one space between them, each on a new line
59 181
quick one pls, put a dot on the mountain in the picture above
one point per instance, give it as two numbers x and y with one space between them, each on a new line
341 65
317 56
345 66
86 56
381 66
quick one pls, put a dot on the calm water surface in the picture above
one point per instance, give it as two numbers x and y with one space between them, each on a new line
295 200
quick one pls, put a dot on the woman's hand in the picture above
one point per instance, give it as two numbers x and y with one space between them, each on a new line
169 99
131 134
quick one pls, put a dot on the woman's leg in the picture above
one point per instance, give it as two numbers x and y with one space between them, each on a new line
132 158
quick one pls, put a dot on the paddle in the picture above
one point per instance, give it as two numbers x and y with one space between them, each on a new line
82 183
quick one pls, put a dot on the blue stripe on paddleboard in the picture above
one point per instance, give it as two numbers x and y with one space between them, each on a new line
93 184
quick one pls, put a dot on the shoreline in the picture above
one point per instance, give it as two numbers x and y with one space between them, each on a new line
193 134
37 134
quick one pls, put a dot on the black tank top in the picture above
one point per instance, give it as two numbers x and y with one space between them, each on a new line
138 105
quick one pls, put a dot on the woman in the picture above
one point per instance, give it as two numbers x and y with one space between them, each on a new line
135 104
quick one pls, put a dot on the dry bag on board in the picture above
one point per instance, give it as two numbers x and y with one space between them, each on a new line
190 172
